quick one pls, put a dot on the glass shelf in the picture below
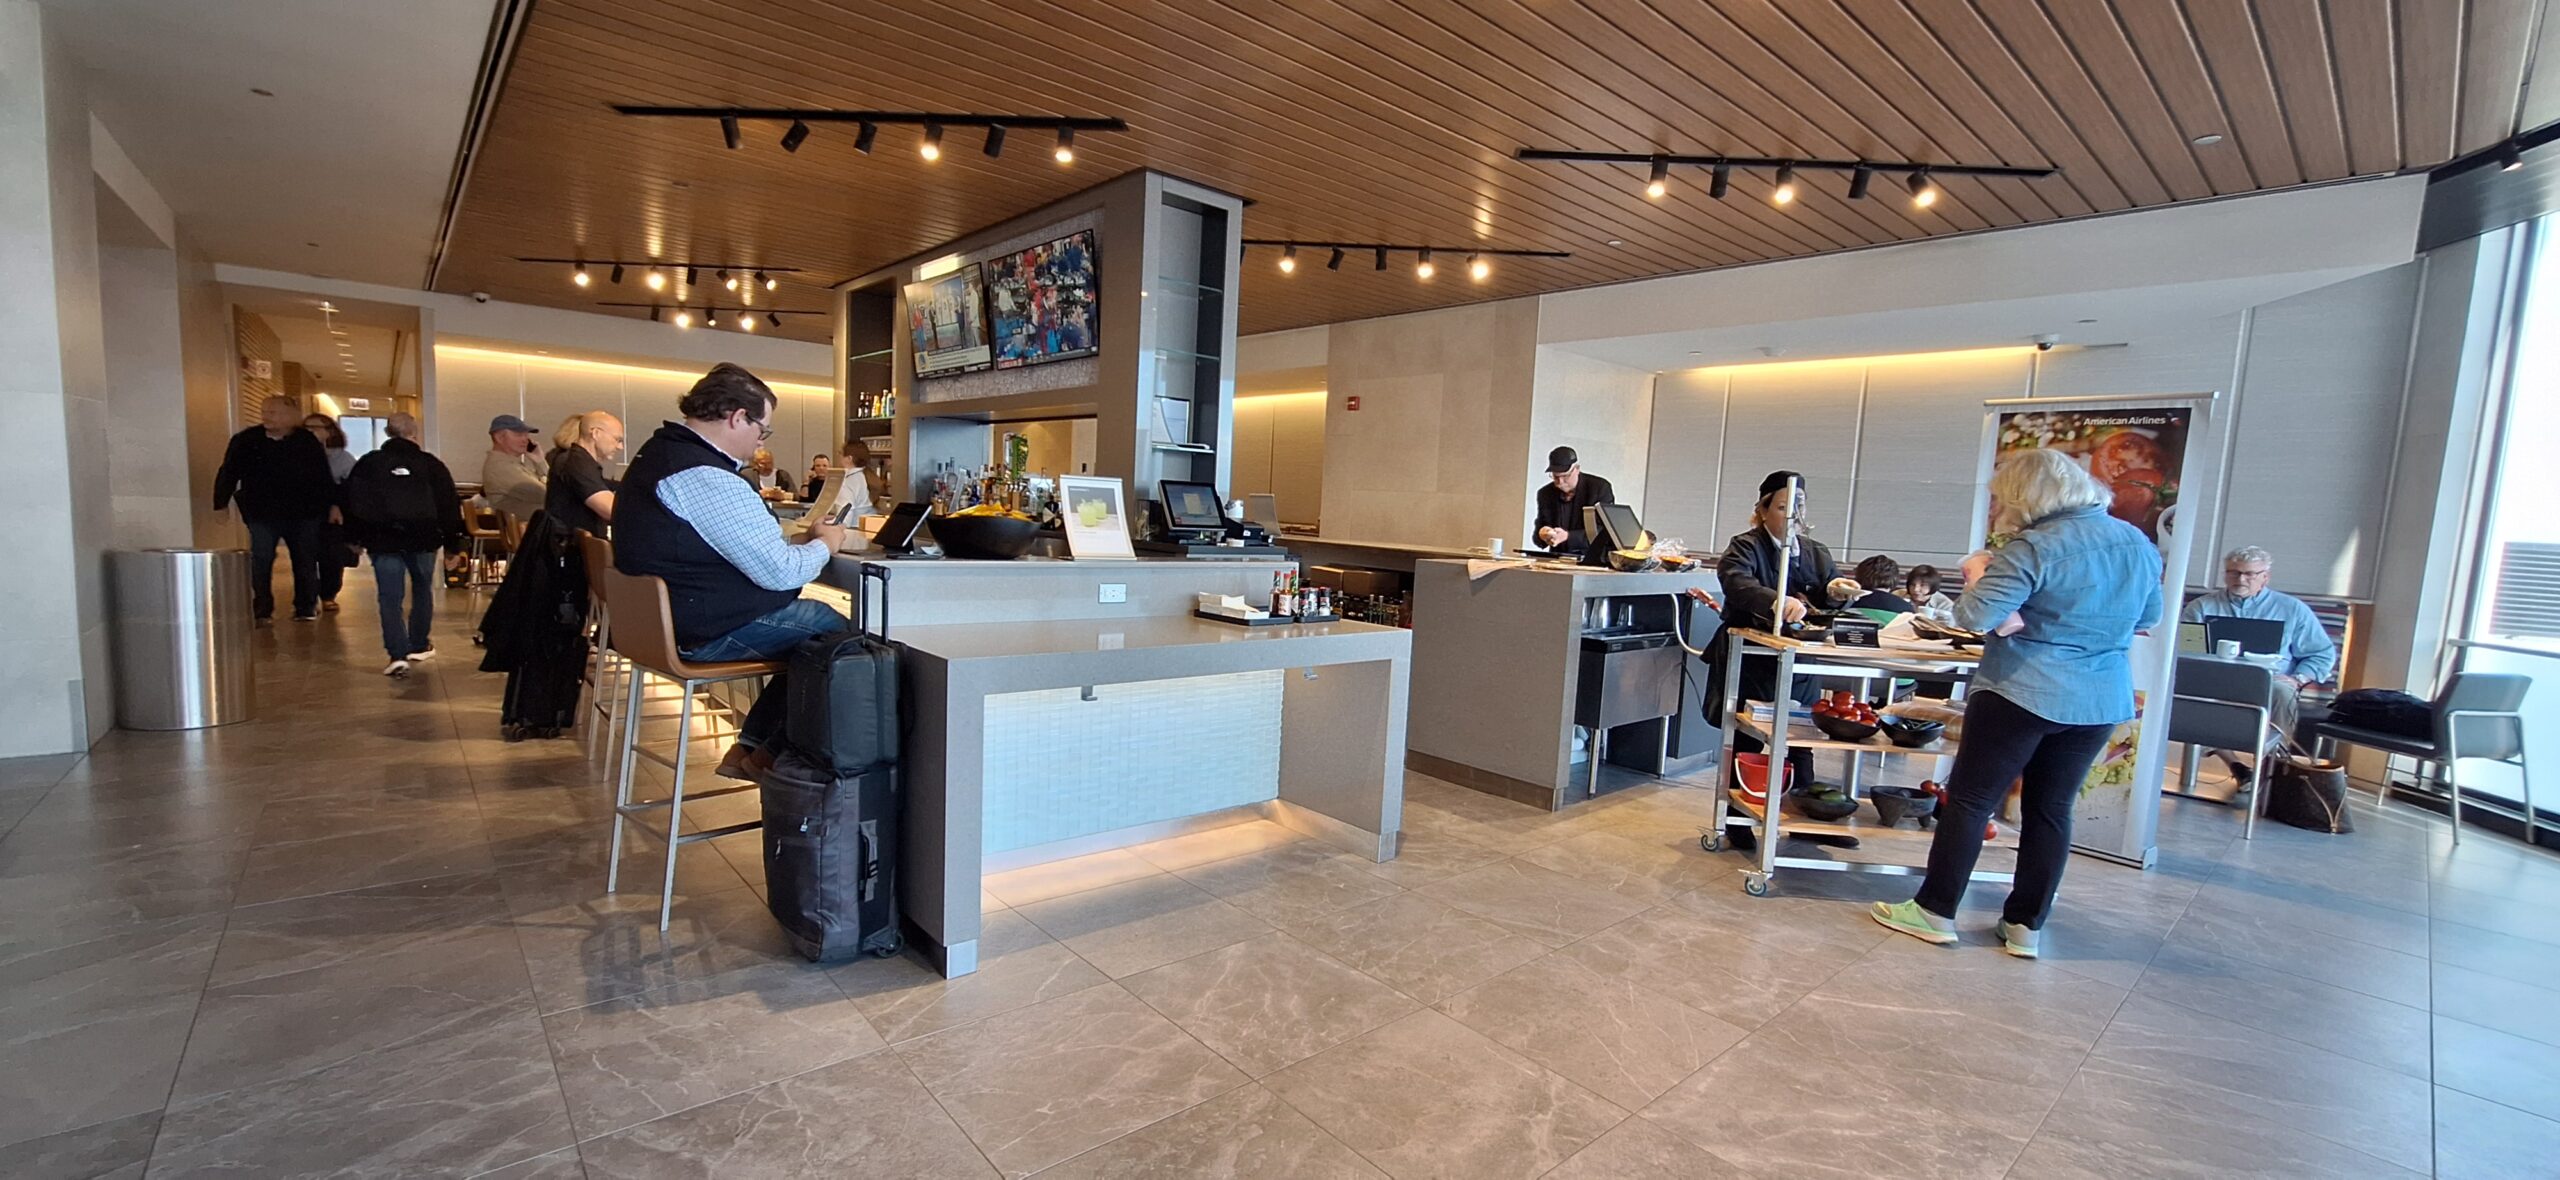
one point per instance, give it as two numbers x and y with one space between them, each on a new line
882 355
1174 286
1184 354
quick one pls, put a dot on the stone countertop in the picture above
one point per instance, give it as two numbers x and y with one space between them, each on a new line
1594 581
1160 637
848 563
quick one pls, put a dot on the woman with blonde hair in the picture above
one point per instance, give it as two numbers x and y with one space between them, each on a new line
2062 599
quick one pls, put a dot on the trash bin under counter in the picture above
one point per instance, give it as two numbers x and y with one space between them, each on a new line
1626 677
181 637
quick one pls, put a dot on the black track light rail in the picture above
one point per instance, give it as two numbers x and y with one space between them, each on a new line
901 118
1392 248
715 309
667 264
1798 163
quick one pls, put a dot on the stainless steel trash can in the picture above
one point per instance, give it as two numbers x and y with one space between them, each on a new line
181 637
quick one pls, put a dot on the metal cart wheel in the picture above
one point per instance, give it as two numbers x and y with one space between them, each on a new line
1711 842
1756 884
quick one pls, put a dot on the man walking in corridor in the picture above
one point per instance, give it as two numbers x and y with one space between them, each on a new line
401 506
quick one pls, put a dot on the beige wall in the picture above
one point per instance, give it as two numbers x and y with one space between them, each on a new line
207 361
1280 451
146 397
1436 451
1603 411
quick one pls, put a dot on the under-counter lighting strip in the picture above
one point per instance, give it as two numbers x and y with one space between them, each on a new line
530 358
1953 354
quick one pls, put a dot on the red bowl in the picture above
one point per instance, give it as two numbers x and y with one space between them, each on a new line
1753 770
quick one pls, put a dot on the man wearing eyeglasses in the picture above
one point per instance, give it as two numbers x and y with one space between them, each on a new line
2308 658
733 582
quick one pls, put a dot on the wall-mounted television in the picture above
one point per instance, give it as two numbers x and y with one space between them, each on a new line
947 321
1041 302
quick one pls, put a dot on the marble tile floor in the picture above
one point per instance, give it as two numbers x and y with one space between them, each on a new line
364 936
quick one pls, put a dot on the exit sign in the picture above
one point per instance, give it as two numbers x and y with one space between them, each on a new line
1352 402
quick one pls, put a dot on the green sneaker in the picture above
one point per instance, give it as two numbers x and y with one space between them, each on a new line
2018 940
1906 917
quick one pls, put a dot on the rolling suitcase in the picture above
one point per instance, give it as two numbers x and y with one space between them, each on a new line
831 798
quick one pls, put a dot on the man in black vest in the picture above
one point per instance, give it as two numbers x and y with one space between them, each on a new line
685 517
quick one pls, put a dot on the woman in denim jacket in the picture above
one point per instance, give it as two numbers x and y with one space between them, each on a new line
2063 600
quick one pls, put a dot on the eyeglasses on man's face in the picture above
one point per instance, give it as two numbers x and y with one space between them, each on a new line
2239 574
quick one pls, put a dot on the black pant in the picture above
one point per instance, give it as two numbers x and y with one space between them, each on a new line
2002 744
302 545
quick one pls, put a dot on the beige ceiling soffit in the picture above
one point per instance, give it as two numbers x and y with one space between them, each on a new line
504 30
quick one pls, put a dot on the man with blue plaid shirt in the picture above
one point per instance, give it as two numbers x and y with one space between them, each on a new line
733 583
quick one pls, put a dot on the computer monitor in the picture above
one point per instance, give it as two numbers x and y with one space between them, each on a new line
1607 527
1263 508
1191 507
898 533
2258 637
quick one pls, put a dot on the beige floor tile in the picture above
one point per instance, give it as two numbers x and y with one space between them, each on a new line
1423 856
1613 1037
1245 1132
1775 1105
1640 872
1048 1082
1548 906
1708 967
1126 928
2350 1023
1427 1096
864 1117
1268 1002
2483 1140
1640 1149
1018 966
1058 878
1215 844
1294 881
1416 945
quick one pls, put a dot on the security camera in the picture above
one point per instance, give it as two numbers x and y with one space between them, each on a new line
2046 342
479 297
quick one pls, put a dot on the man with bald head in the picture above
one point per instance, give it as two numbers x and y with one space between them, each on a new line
278 473
402 508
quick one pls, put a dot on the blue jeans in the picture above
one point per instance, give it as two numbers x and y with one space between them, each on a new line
764 639
418 568
302 545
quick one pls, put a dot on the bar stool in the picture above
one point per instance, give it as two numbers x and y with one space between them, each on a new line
604 665
646 637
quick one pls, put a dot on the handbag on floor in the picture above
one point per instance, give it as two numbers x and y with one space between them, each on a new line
2306 792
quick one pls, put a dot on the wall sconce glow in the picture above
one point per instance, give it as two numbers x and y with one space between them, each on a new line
937 268
465 351
1948 355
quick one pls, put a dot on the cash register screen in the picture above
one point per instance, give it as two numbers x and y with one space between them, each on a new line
1192 505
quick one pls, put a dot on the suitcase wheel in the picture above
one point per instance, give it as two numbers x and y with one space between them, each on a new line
895 944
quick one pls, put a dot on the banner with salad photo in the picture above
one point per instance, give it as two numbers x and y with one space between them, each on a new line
2139 449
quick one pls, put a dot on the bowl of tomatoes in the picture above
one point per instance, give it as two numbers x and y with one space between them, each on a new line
1845 718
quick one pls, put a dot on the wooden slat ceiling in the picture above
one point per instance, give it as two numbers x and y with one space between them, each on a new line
1395 120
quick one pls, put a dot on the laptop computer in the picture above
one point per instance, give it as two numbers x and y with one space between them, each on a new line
2258 637
2191 640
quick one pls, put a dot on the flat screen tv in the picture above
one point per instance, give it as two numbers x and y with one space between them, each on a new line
1041 302
947 320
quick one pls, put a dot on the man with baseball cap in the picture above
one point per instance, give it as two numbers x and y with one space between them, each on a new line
1561 502
513 474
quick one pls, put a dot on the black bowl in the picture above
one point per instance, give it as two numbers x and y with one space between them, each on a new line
1843 730
1824 808
986 538
1912 732
1896 804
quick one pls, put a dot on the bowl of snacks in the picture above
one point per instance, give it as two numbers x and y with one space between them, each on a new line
985 532
1845 718
1913 732
1824 802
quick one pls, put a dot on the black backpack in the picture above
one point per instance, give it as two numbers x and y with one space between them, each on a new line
390 496
2384 710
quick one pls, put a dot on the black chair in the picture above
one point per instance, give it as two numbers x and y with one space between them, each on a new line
2478 715
2225 704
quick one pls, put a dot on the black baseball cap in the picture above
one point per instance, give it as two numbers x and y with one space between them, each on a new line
1560 459
1777 480
510 422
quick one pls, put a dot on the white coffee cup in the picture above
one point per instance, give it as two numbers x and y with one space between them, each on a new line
2228 649
1493 546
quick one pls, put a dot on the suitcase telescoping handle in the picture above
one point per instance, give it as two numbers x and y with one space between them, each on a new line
871 571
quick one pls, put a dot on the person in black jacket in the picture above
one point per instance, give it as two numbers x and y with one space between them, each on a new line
402 507
279 474
1561 502
1749 573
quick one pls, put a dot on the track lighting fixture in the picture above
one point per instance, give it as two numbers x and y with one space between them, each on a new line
579 275
800 119
744 319
1066 153
728 280
616 276
655 313
1479 260
729 131
1289 260
995 140
1860 172
1478 269
1382 258
2510 157
773 319
710 317
656 279
1335 262
797 135
1422 268
765 281
1722 181
931 148
684 319
746 323
862 139
689 276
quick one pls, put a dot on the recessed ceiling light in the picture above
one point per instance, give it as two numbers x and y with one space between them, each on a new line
1616 242
2208 139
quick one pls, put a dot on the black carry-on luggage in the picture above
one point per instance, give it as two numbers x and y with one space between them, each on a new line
832 799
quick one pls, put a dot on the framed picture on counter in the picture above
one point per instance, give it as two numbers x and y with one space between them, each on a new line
1097 517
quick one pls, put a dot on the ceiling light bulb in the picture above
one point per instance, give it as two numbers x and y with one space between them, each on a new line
1422 268
728 280
746 323
1335 262
657 279
931 148
710 318
862 139
729 131
1924 191
1066 152
684 319
995 140
1786 190
766 281
1289 260
1478 269
1660 182
579 276
797 135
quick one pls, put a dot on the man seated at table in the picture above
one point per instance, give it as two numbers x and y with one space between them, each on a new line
2308 656
733 582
